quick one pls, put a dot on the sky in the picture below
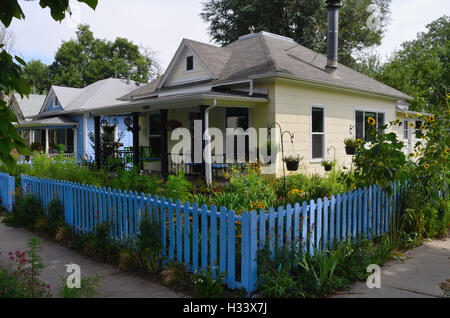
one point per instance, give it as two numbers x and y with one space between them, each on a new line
161 25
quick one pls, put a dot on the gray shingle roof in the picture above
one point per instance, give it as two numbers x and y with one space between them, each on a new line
265 53
30 106
101 93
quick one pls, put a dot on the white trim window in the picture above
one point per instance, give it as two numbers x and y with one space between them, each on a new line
190 64
361 124
317 132
154 133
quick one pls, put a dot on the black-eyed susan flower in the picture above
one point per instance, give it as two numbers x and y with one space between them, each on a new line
447 151
411 155
371 121
426 166
422 127
431 118
419 115
411 124
359 141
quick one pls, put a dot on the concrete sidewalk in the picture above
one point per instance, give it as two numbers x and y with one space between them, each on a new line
114 283
418 276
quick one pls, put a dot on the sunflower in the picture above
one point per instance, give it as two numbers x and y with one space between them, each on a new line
371 121
431 118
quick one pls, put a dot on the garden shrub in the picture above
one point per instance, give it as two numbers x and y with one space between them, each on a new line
134 180
178 187
207 286
27 211
55 216
148 244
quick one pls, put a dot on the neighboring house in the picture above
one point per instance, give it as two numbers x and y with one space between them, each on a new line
64 117
24 108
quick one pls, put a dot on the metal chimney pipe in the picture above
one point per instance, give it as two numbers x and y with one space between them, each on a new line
332 39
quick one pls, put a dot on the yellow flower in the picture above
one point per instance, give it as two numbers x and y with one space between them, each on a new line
359 141
371 121
419 115
426 166
411 124
397 121
411 155
422 127
406 115
431 118
448 95
447 151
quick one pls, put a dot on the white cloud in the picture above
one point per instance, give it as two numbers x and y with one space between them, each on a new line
408 18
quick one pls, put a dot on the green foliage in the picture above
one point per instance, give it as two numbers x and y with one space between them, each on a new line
379 159
207 286
135 180
293 273
86 59
178 187
21 279
420 68
12 77
303 20
88 288
148 244
26 212
37 75
55 216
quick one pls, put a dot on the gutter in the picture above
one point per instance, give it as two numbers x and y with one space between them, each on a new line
325 83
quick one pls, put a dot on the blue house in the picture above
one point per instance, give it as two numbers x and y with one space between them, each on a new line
65 118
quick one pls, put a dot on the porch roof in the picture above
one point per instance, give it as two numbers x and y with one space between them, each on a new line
185 100
59 121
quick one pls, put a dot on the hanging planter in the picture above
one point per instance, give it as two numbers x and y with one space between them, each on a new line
327 165
350 150
292 162
350 146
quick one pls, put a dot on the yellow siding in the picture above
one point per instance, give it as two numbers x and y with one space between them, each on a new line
293 111
179 75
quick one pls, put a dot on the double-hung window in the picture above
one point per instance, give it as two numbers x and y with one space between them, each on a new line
189 63
155 134
361 122
317 132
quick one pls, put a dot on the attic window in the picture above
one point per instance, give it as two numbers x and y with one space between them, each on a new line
55 102
189 63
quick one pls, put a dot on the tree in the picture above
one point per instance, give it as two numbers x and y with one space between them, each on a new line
421 68
305 21
12 76
37 75
86 59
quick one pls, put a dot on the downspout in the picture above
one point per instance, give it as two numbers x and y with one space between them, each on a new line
208 165
251 88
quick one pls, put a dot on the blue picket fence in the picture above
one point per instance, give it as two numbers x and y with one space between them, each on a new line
217 238
7 191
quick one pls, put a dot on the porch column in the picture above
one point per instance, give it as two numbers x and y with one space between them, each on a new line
97 141
46 141
135 139
203 117
164 144
75 146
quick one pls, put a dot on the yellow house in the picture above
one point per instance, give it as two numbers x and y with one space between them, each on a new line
257 81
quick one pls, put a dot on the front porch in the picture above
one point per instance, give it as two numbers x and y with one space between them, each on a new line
51 136
154 141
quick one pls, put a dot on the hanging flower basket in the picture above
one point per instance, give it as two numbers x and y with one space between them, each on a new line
328 165
292 165
350 150
292 162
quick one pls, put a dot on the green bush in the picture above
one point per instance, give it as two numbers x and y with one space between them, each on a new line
27 211
55 216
